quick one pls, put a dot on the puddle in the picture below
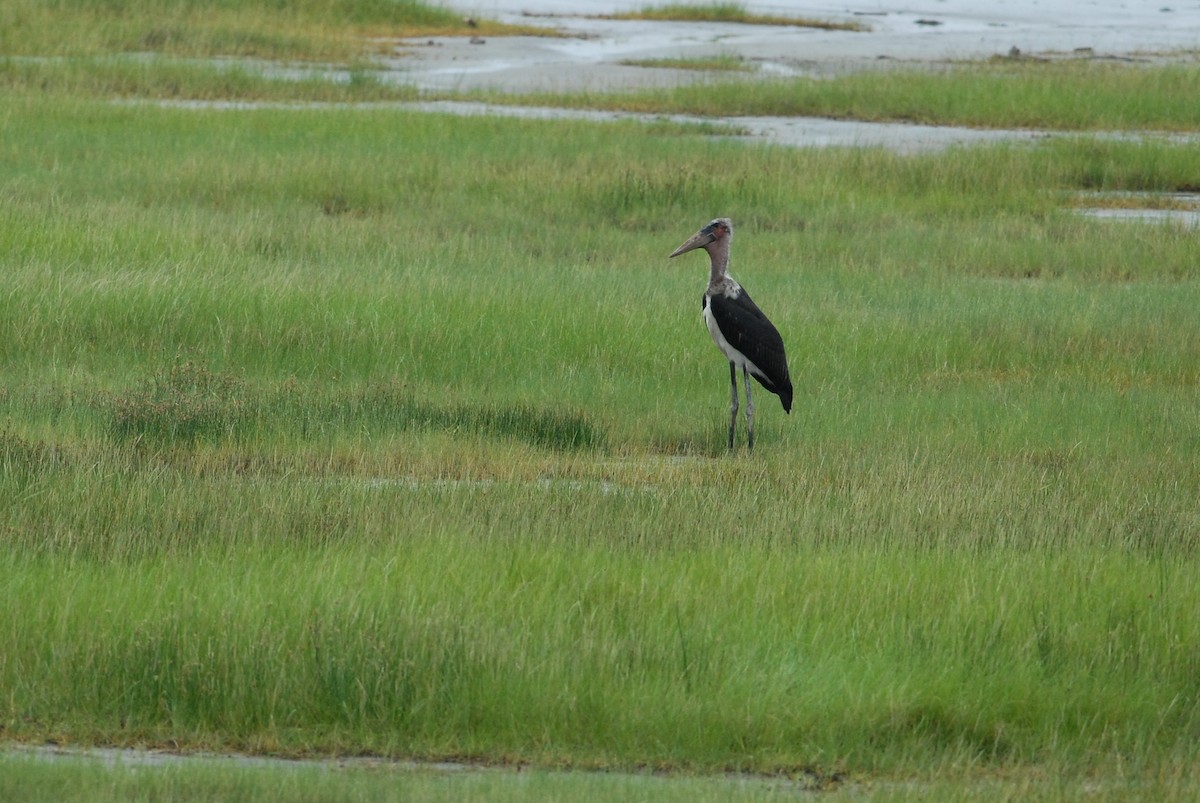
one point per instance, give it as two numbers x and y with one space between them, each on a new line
147 757
791 131
800 132
1181 209
1175 216
803 784
814 132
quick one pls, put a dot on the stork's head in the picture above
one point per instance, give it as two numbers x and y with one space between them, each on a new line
719 231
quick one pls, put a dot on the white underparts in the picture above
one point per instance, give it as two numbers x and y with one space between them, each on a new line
732 354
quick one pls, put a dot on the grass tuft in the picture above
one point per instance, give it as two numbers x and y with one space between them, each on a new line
730 12
708 64
187 402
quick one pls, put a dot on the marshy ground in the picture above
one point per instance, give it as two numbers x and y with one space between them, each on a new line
337 426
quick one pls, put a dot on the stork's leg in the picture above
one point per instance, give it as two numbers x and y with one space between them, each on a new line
749 413
733 401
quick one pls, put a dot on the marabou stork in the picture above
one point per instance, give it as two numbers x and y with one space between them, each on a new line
739 328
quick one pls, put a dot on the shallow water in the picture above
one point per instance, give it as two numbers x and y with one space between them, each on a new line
589 54
729 786
814 132
590 51
1181 217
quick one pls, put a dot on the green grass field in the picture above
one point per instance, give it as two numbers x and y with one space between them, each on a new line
306 30
356 431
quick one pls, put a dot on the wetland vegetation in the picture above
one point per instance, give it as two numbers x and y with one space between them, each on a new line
357 431
1068 95
730 12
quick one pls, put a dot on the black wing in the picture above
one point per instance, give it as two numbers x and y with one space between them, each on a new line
749 331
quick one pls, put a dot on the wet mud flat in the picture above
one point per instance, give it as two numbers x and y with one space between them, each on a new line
591 50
